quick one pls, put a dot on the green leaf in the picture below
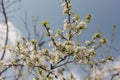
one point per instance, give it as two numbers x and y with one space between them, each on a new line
39 71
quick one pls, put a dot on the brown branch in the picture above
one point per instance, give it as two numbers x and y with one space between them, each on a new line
8 3
7 27
112 38
67 2
61 60
63 64
52 39
114 75
69 16
9 67
5 70
26 25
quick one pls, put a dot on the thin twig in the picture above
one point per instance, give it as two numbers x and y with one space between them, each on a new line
114 75
26 25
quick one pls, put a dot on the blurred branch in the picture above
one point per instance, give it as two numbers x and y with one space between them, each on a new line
26 25
37 36
7 27
114 75
69 16
112 39
35 20
5 4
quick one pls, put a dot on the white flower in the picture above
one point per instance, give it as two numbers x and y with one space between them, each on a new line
58 35
93 47
77 49
102 41
91 50
87 43
66 25
50 31
64 4
69 47
99 75
65 10
71 12
1 78
69 5
74 19
69 42
66 21
82 25
82 48
50 44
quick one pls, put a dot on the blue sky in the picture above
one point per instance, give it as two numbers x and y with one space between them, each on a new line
106 13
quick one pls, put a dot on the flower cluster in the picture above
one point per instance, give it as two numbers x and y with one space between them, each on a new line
50 62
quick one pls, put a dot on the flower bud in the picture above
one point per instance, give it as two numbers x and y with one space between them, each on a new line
102 41
44 23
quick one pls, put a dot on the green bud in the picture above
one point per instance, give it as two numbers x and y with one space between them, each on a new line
110 58
77 16
58 31
102 41
33 42
46 50
44 23
18 44
69 6
88 18
97 35
39 71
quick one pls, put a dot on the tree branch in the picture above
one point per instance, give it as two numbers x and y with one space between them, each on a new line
7 27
